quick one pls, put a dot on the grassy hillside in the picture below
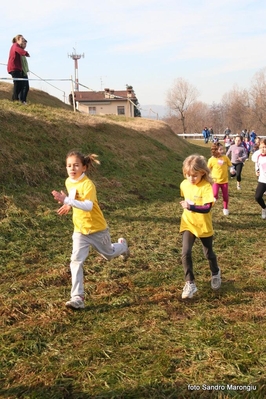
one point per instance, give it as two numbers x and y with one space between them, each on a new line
36 138
136 338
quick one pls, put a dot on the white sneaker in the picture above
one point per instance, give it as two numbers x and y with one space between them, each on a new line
216 281
263 213
225 212
125 255
238 187
189 290
76 303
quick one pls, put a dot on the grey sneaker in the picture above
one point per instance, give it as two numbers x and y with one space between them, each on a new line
125 255
216 281
189 290
76 303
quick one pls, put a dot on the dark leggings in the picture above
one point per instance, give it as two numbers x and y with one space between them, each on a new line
260 190
24 89
238 168
17 84
188 240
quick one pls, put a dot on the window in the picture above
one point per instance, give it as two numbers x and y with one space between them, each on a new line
120 110
92 110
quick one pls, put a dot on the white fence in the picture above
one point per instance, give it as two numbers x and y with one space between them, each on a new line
199 136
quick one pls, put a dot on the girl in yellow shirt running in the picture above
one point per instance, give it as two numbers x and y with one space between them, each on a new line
90 227
196 220
219 164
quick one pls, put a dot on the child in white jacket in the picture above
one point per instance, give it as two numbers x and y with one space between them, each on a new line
259 157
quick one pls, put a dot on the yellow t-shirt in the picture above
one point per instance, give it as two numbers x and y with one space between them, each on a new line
219 168
86 222
199 224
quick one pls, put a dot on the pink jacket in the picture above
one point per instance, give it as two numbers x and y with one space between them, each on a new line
14 60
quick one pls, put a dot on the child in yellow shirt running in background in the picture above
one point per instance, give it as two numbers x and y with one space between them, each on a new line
196 220
218 165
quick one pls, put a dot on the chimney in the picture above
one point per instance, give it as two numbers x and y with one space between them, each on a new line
107 93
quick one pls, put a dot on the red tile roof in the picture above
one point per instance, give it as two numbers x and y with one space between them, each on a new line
101 95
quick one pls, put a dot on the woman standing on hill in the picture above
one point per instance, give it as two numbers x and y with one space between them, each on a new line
238 156
14 65
196 220
90 227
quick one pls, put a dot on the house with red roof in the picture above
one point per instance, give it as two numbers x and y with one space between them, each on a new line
107 102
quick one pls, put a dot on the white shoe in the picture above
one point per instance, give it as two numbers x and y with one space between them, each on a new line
189 290
76 303
216 281
125 255
225 212
263 213
238 187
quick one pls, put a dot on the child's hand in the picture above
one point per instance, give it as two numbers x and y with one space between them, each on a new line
59 197
184 204
63 210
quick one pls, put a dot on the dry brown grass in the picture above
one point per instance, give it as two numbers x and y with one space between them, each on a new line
136 338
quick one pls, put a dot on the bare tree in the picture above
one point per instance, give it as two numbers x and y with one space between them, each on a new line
258 98
216 118
179 99
237 109
197 117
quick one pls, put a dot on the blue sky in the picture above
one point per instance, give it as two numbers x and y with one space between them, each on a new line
215 45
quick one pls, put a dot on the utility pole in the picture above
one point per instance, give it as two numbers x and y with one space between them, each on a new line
76 57
101 80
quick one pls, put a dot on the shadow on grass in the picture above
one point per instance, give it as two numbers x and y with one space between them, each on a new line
228 224
65 390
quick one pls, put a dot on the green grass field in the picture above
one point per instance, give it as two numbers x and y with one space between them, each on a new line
136 338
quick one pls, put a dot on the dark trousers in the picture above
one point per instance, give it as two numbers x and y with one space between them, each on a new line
238 168
188 240
260 190
24 89
17 84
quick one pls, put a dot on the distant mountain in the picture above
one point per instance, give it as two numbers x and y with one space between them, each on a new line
153 111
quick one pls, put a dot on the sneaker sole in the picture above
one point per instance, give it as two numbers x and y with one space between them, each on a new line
71 306
189 296
216 288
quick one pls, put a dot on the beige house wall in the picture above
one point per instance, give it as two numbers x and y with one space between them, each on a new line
107 108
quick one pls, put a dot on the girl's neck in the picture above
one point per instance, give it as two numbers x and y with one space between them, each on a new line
78 179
